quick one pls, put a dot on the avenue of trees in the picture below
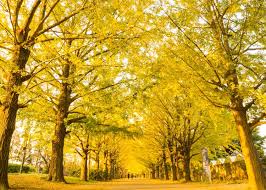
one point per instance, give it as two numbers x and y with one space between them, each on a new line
79 79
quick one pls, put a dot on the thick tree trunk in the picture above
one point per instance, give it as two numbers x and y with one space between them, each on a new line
173 167
7 127
84 168
172 158
153 171
187 166
254 167
157 172
9 108
56 170
161 171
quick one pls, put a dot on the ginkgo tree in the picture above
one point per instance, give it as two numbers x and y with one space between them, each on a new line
22 23
87 64
223 51
27 25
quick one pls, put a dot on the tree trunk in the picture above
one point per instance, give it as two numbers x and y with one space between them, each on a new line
161 171
173 167
112 168
157 172
165 166
187 166
84 168
177 168
153 171
9 108
7 127
89 165
56 172
106 172
98 165
172 158
254 167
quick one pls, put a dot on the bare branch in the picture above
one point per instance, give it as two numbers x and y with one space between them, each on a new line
78 152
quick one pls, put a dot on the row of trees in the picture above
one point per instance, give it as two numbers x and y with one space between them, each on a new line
177 128
221 47
91 149
54 58
98 61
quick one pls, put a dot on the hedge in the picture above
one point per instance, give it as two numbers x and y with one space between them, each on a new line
15 168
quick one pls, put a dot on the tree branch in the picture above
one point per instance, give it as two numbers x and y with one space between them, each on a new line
38 33
262 81
30 17
78 152
76 120
211 101
249 104
257 121
40 26
15 17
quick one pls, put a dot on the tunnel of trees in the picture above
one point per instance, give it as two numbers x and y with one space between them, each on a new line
115 89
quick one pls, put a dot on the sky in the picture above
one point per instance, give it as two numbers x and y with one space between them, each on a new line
263 130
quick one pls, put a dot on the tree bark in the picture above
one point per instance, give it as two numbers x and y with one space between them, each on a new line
161 171
9 108
56 172
187 166
84 168
165 166
112 168
7 127
98 165
89 165
106 172
177 168
173 167
254 167
157 172
153 171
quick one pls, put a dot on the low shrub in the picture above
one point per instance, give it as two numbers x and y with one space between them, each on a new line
15 168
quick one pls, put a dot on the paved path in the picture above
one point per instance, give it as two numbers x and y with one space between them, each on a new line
33 182
156 185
